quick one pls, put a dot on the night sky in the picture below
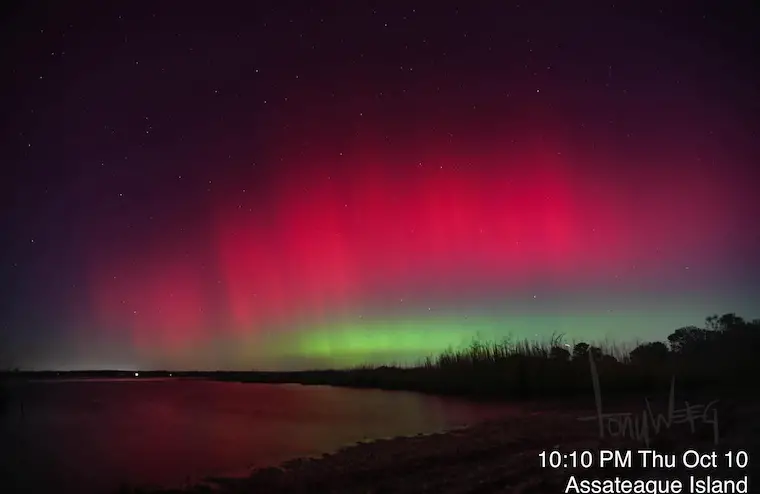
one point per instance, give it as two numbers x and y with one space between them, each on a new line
210 185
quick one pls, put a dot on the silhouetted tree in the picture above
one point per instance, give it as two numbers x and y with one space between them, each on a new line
737 338
726 322
732 321
689 338
580 350
649 353
711 322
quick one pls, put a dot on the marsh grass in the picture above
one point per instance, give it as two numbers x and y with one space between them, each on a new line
508 369
720 356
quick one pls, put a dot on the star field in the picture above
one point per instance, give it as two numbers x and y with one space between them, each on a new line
286 186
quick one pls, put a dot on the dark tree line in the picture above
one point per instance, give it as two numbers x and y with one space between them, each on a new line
727 341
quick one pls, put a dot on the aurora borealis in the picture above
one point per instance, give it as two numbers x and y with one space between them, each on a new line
289 187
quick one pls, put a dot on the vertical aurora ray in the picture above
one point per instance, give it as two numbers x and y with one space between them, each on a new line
353 264
328 203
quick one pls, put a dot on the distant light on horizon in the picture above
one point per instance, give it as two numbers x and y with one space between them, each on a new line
137 374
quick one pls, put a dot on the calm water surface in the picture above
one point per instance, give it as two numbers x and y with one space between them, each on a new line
90 436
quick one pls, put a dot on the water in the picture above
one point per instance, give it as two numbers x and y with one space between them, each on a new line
91 436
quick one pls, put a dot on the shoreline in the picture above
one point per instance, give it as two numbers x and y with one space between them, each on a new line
499 455
410 463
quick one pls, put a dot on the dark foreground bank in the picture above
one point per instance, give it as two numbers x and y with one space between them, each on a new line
505 456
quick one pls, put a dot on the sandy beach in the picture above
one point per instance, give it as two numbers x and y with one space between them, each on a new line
498 456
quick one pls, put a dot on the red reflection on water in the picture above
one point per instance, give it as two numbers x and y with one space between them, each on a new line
88 436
